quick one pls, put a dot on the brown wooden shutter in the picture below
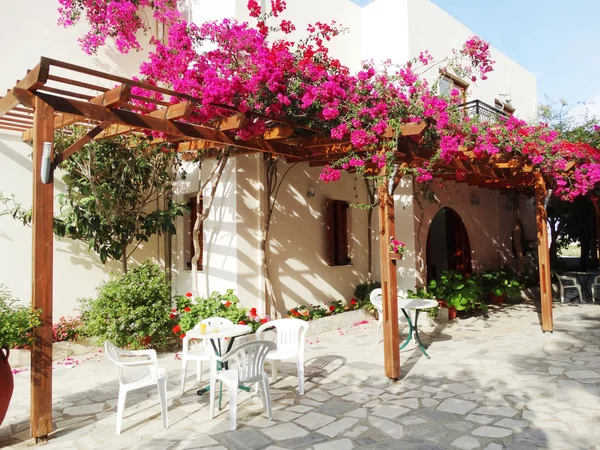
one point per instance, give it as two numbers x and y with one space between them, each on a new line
337 232
193 213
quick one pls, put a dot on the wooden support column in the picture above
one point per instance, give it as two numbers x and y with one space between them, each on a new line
541 217
42 250
596 204
391 336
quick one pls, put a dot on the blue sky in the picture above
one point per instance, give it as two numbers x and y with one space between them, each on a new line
557 40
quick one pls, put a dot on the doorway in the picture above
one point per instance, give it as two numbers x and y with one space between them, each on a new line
448 246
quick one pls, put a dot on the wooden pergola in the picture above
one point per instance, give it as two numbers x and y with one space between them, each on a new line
56 94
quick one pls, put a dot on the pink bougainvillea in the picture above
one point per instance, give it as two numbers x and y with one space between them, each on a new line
247 70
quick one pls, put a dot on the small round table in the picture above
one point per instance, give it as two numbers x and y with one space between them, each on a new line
417 304
215 337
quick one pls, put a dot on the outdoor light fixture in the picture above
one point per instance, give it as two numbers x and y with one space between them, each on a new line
46 164
474 199
310 193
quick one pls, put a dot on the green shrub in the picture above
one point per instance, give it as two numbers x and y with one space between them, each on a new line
502 281
131 310
16 321
463 292
67 329
362 293
217 305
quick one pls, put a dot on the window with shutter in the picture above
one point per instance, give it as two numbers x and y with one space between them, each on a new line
194 208
337 233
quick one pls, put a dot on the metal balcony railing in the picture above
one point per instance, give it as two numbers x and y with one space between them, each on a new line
483 111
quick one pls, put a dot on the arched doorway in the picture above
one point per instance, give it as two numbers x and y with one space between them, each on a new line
448 246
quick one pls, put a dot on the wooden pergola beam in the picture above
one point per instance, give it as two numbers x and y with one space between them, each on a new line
88 137
35 79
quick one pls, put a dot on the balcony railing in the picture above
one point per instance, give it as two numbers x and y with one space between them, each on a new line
483 111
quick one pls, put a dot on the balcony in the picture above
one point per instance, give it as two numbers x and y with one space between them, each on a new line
483 111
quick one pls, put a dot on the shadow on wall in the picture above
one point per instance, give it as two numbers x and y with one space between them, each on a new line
487 219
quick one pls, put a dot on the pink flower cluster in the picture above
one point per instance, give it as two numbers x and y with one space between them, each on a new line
329 174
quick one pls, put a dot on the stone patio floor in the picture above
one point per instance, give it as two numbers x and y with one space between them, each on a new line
492 383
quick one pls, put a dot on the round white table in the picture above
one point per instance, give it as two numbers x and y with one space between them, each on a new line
417 304
216 337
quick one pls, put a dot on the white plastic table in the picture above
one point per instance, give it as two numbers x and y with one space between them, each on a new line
216 337
417 304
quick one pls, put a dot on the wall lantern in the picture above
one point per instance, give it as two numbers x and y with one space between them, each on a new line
46 168
310 193
474 199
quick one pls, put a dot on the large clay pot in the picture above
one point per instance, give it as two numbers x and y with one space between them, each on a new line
7 383
451 309
497 299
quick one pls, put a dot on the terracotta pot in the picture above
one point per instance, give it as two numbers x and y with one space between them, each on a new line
394 255
7 382
451 309
497 299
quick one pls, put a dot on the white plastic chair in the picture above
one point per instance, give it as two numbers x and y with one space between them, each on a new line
212 323
290 344
376 299
137 374
595 287
246 364
563 280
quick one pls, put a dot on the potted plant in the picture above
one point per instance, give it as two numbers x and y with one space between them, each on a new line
458 291
16 326
501 284
396 248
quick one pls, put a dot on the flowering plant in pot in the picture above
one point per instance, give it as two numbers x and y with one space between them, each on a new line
396 248
16 326
501 284
462 292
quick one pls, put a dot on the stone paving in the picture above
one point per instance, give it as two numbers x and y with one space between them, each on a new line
492 383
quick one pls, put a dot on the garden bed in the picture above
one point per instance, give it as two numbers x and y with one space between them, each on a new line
60 350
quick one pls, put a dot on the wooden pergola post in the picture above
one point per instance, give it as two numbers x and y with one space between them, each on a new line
391 336
596 204
42 253
541 217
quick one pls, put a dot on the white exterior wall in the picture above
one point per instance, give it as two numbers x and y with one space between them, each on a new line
396 29
431 28
76 271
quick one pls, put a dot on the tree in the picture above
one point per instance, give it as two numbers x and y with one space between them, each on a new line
113 188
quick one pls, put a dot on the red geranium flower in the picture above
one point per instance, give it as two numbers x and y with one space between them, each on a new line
187 309
263 320
332 308
241 322
353 301
188 294
182 335
176 329
227 304
174 310
172 316
253 312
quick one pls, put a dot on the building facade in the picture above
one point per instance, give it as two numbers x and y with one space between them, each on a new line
299 259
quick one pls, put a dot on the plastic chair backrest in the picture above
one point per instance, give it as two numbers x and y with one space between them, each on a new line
597 279
249 359
376 298
290 333
114 353
571 281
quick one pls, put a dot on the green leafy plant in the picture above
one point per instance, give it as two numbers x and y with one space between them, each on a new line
190 312
67 329
502 281
462 292
131 310
318 311
299 312
337 307
16 321
362 293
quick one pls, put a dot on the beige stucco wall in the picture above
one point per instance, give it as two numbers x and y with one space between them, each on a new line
26 38
488 224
